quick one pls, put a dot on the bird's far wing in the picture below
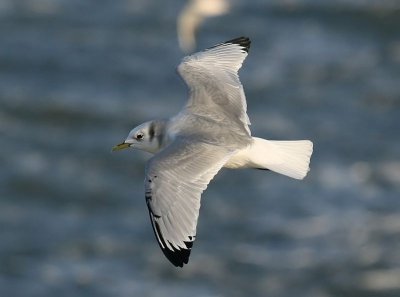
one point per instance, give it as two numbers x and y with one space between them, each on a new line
174 181
214 85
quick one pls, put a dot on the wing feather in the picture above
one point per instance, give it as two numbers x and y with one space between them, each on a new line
214 85
175 180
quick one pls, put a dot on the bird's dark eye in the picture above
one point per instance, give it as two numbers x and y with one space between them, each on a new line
139 136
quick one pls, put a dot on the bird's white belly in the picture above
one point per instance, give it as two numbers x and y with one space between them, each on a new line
239 160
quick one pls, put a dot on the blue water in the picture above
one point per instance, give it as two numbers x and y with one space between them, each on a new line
76 76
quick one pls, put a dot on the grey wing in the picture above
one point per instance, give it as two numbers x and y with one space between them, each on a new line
175 179
214 85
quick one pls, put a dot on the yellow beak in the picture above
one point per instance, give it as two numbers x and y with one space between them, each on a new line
120 146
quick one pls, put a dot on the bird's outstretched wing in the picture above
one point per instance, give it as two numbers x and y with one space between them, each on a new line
214 86
174 181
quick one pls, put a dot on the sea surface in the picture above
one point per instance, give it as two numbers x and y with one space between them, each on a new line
76 76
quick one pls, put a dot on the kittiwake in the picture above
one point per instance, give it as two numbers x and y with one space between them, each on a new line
210 132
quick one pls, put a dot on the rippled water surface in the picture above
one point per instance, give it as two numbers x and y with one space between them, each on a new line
76 76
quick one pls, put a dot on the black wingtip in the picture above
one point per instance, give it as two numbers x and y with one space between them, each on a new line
242 41
175 256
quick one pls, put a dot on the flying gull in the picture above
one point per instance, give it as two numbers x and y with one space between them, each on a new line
210 132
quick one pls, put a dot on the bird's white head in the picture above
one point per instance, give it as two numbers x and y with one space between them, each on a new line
146 137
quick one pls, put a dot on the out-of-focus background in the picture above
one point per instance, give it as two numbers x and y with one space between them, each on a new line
76 76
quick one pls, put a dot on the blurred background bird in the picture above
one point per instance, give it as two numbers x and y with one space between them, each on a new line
193 14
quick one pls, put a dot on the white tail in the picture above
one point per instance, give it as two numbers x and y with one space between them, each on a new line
291 158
